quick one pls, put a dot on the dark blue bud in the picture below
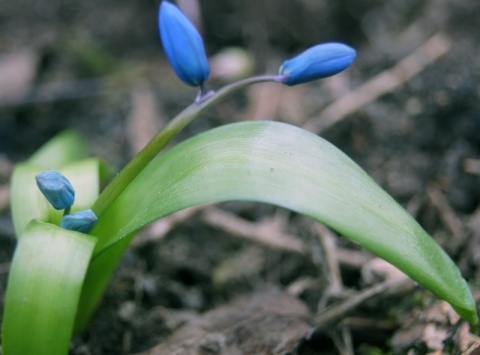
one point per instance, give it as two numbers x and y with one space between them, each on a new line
81 222
317 62
183 45
56 188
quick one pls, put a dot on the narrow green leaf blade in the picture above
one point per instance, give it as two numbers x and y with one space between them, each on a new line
65 148
27 202
43 290
286 166
98 275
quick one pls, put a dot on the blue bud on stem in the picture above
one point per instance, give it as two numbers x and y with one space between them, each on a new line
183 45
317 62
79 222
56 188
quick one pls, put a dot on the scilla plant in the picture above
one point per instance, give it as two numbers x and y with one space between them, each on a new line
71 235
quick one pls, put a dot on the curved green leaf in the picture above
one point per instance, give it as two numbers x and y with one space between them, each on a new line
65 148
27 202
44 286
98 275
286 166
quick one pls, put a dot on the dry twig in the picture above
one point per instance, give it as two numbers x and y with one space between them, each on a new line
338 311
142 123
472 166
262 232
447 214
328 243
159 229
383 83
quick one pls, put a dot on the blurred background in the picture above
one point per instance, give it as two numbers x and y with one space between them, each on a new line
408 111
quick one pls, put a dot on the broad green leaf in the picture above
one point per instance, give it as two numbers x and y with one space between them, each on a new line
286 166
65 148
44 287
28 203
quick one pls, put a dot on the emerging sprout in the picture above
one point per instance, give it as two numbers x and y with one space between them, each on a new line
56 188
317 62
80 222
183 45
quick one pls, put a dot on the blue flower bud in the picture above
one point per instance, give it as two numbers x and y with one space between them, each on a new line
56 188
183 45
80 222
317 62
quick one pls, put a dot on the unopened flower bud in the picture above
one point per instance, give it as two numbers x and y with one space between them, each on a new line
317 62
80 222
183 45
56 188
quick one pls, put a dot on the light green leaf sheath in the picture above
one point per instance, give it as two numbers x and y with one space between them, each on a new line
283 165
44 287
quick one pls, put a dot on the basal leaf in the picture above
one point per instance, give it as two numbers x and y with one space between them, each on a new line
283 165
44 286
98 275
27 202
65 148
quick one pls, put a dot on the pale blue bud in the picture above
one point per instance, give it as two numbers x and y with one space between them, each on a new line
317 62
56 188
80 222
183 45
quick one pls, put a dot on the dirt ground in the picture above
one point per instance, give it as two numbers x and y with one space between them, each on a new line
235 278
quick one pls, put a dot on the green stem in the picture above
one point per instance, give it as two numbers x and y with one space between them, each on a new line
150 151
67 210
